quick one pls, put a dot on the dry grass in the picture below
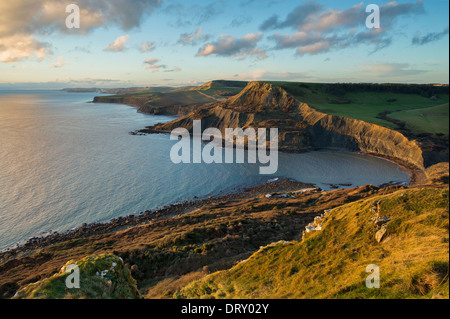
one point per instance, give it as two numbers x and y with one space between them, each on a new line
167 287
413 258
217 236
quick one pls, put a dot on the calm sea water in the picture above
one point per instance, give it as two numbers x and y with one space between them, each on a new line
64 162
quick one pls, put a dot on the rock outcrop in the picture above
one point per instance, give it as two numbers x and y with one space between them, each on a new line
300 127
438 173
94 277
356 135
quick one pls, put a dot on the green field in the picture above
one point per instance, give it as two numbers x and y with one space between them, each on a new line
165 96
432 119
221 89
367 106
178 98
420 113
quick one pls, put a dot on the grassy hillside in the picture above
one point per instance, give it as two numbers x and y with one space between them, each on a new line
164 96
367 104
221 89
166 253
100 277
432 119
413 257
199 254
421 108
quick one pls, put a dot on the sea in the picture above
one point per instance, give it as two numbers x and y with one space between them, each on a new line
65 161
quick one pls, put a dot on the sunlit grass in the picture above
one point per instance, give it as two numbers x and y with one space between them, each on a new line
331 263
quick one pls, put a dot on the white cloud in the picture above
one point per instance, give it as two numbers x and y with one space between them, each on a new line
31 16
26 20
59 62
19 47
257 75
322 46
390 70
152 64
151 61
429 37
320 30
147 46
193 38
176 69
251 75
228 45
118 44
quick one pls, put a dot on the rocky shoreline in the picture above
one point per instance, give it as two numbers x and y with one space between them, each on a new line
121 223
246 97
417 175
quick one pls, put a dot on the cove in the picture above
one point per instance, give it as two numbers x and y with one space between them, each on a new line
65 162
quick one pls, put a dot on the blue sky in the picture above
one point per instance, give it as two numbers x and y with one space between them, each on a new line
156 43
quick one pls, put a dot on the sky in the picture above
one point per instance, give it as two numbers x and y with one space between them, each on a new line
174 42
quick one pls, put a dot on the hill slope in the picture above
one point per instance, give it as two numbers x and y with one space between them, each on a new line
164 249
103 276
331 263
300 127
176 101
365 101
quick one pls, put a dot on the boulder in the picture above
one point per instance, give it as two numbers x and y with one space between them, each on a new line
379 235
381 221
310 228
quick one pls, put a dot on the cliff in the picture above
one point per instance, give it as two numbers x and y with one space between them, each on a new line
300 127
328 130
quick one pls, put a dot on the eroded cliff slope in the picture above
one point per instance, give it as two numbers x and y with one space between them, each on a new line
300 127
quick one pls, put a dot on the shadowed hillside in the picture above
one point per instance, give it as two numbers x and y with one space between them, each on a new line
175 101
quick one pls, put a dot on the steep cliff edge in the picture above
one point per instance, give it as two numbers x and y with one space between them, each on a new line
327 130
300 127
